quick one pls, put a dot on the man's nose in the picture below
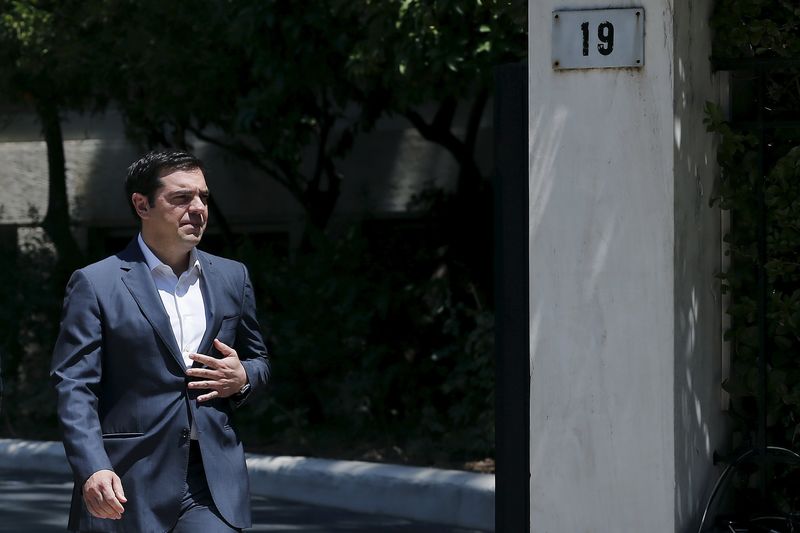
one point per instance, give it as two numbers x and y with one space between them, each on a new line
197 205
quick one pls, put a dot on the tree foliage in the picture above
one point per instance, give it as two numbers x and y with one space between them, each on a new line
281 83
376 337
373 360
266 81
442 52
48 57
746 28
762 29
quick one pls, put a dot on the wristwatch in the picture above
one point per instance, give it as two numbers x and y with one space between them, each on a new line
242 394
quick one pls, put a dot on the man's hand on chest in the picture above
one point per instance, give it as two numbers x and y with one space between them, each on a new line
223 377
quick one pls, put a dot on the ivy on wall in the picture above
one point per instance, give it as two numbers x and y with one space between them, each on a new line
746 29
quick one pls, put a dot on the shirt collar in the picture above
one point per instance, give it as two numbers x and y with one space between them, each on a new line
154 262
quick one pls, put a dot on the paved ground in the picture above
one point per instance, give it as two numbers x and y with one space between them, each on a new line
39 503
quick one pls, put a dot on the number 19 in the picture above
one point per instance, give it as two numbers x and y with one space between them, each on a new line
605 34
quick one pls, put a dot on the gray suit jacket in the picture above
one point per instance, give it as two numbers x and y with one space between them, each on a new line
123 403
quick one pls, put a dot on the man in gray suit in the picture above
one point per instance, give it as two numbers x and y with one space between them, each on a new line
158 345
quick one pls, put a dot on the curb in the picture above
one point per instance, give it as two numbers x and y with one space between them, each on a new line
35 455
447 497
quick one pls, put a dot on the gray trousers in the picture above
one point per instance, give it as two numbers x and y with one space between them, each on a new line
198 512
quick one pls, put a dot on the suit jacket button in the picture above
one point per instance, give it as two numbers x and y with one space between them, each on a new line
185 433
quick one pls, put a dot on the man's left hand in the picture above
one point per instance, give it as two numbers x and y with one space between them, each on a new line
225 377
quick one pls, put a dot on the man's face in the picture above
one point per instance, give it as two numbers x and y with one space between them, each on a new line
179 214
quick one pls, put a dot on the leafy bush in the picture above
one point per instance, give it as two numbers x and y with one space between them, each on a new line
369 358
378 350
783 307
759 28
31 295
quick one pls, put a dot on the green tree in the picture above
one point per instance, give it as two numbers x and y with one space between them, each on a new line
47 66
278 83
442 53
265 81
747 29
439 52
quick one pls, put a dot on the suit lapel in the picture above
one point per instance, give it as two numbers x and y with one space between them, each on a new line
137 278
211 296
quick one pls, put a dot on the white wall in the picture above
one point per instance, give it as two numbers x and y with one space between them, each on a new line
624 333
699 426
386 168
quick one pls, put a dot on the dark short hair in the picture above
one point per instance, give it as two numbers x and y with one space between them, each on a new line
144 176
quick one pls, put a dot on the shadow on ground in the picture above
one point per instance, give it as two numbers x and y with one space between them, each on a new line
39 503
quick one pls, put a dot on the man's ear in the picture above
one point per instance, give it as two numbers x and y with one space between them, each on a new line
141 204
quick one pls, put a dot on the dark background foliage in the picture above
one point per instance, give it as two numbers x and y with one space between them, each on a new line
381 333
378 352
746 29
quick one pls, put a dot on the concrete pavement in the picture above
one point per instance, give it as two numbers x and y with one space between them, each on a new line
36 502
452 499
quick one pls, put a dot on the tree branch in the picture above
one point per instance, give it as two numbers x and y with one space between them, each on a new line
56 221
251 156
431 132
469 175
324 131
474 120
443 120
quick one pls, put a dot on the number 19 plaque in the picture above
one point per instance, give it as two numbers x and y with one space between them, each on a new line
598 38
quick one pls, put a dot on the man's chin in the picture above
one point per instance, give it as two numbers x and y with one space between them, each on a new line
193 237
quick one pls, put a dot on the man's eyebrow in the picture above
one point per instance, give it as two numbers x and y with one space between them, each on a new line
188 191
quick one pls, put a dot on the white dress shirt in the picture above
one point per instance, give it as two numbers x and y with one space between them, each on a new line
182 299
183 302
